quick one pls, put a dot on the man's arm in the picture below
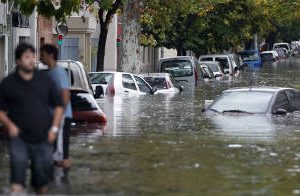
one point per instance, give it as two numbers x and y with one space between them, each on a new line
13 130
65 94
56 123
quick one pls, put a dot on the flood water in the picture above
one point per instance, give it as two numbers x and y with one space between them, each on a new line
164 145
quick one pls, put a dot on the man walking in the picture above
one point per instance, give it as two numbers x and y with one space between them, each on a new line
49 56
25 98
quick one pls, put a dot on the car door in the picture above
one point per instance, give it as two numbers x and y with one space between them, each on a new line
294 98
143 86
281 102
129 85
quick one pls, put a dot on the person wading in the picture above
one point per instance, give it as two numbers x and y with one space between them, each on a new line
25 98
49 56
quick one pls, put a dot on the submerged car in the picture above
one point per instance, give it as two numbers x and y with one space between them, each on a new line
226 61
269 56
257 100
86 111
118 84
283 45
163 82
251 58
215 66
184 69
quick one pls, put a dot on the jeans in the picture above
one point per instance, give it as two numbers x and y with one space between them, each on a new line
40 157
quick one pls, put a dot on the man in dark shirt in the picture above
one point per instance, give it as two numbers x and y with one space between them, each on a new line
25 98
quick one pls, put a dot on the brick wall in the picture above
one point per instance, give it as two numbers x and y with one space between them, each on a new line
44 30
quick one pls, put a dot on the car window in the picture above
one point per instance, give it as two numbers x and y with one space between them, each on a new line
223 61
294 101
128 82
100 78
249 101
207 59
82 102
177 68
157 82
143 86
281 102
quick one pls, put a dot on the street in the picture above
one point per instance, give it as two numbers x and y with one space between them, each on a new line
164 145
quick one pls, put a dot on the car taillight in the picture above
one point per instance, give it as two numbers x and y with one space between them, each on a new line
111 90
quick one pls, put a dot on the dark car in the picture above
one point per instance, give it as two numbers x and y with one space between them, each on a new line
260 100
86 110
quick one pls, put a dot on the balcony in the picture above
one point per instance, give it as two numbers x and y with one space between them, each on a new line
19 20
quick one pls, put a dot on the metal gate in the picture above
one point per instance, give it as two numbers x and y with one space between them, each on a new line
69 50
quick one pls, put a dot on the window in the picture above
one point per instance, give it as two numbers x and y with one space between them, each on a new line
281 102
223 61
294 101
177 68
83 102
157 82
207 59
144 87
128 82
249 101
100 78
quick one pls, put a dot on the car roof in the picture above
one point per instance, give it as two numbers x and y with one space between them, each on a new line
110 72
155 75
214 55
209 62
261 89
267 52
281 43
176 58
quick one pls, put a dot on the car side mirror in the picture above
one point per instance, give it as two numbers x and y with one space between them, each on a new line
153 90
99 92
180 88
281 112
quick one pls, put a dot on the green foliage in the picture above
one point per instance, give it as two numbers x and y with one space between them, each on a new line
215 25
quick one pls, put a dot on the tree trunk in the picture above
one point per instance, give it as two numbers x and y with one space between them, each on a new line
132 51
271 40
101 48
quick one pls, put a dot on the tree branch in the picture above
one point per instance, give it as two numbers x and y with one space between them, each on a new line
112 11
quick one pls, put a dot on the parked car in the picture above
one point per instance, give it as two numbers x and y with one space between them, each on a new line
257 100
206 72
215 66
226 62
119 84
86 111
236 62
184 69
251 58
77 74
282 53
269 56
163 82
283 45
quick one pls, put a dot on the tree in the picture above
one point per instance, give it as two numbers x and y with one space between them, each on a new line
106 11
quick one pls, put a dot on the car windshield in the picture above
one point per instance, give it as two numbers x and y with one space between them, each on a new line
213 67
250 102
250 56
281 46
100 78
83 102
157 82
177 68
266 56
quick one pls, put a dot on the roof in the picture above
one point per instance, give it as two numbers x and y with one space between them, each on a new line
209 62
268 52
262 89
214 55
155 75
176 58
111 72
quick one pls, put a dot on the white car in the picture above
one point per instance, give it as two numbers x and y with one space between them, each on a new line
163 82
283 45
215 67
113 84
226 61
269 56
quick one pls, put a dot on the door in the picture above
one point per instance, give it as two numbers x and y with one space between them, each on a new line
129 85
281 102
144 88
69 50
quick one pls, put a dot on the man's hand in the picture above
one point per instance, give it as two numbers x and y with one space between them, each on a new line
13 130
52 137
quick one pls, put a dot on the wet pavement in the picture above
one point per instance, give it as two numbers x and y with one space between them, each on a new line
164 145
